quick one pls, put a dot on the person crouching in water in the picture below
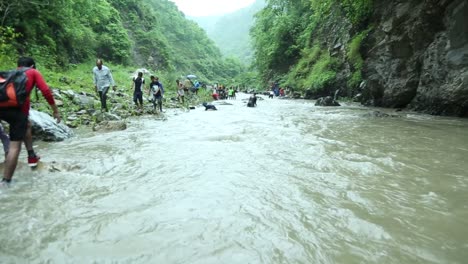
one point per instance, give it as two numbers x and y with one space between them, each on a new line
209 107
252 101
158 91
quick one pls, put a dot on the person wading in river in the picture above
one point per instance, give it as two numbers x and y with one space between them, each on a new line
252 101
157 89
17 117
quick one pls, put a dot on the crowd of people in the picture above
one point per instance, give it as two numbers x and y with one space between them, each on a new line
221 93
17 116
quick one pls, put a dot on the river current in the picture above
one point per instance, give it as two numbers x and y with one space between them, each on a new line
285 182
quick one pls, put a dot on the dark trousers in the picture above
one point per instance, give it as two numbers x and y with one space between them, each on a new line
157 100
103 97
138 98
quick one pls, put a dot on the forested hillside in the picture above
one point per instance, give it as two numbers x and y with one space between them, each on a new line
295 42
231 31
383 53
150 33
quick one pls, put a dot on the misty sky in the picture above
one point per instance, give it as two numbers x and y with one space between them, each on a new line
210 7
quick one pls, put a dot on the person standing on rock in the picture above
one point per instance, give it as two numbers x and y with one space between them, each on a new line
157 89
103 80
180 91
17 117
138 84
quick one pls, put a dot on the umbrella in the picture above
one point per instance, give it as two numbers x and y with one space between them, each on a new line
191 76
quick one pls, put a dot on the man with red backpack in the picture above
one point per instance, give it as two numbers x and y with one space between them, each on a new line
16 115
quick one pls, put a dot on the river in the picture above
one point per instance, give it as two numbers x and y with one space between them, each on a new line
286 182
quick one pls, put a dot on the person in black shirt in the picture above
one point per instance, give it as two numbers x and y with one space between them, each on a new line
252 100
138 84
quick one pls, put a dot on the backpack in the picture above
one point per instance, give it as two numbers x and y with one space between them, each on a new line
13 88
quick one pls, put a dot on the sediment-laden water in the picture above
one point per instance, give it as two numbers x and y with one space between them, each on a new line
286 182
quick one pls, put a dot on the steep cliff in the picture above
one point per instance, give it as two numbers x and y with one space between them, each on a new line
416 56
392 53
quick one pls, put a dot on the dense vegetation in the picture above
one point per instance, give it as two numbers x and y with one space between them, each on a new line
149 33
293 40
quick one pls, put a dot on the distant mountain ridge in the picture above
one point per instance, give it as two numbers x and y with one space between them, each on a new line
230 32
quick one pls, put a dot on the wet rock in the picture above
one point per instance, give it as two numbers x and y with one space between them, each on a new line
56 167
296 95
104 116
357 97
72 118
81 112
107 126
379 114
69 93
85 102
57 94
87 94
326 101
59 103
71 124
44 127
117 107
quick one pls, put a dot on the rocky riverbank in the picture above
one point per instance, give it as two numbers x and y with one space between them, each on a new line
83 109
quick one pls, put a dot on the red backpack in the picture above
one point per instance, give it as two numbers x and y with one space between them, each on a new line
13 88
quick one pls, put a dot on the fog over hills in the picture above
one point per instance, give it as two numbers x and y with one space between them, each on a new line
231 31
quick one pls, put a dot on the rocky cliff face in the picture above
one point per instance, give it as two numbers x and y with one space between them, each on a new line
417 56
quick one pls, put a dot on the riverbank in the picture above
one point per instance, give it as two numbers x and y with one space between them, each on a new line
79 104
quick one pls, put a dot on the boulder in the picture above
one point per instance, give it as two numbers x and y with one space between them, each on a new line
56 93
379 114
59 103
326 101
107 126
85 102
69 93
296 95
44 127
104 116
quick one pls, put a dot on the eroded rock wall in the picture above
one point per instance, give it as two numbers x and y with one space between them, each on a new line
417 56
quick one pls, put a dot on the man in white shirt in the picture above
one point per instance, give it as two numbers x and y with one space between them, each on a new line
102 79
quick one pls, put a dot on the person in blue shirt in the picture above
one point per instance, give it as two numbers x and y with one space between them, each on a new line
156 88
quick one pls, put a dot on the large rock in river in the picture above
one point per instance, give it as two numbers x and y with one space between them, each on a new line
326 101
107 126
44 127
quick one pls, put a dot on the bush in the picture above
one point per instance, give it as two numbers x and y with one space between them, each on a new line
323 72
355 58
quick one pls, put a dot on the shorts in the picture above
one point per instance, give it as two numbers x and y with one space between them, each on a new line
18 122
138 97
